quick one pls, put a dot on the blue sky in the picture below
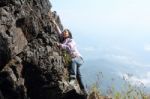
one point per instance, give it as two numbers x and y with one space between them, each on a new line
118 30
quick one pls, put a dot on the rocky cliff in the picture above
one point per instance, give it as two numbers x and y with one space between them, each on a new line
31 66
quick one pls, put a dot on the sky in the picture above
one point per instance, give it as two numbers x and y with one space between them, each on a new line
116 30
107 26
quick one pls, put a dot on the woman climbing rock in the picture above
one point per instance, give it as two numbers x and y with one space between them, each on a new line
76 59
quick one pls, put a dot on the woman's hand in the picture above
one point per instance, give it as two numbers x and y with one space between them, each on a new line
57 44
57 27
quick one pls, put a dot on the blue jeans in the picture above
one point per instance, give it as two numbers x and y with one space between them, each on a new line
75 70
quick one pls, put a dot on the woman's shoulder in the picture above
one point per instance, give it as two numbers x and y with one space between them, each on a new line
70 40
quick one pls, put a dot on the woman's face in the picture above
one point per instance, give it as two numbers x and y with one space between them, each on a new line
65 34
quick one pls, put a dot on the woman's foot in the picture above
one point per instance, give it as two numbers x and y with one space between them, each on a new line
72 82
84 92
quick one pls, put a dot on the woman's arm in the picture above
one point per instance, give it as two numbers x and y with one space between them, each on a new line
69 45
57 27
65 46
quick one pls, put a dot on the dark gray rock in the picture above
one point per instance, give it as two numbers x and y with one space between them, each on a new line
31 66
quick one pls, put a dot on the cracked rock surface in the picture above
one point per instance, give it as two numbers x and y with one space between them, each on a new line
31 66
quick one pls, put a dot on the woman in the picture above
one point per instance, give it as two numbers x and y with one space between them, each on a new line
76 59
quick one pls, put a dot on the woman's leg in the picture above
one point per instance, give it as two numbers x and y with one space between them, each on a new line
79 62
79 78
73 69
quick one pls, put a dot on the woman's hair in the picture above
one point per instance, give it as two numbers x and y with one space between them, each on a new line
70 34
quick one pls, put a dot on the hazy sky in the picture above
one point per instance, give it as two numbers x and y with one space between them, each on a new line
118 30
105 24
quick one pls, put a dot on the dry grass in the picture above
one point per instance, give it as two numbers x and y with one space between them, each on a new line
128 91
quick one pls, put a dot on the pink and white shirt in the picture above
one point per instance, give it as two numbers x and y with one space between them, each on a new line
70 45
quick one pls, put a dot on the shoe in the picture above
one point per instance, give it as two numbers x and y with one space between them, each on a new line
84 92
72 82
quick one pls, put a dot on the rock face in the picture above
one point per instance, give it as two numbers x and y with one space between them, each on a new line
31 66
